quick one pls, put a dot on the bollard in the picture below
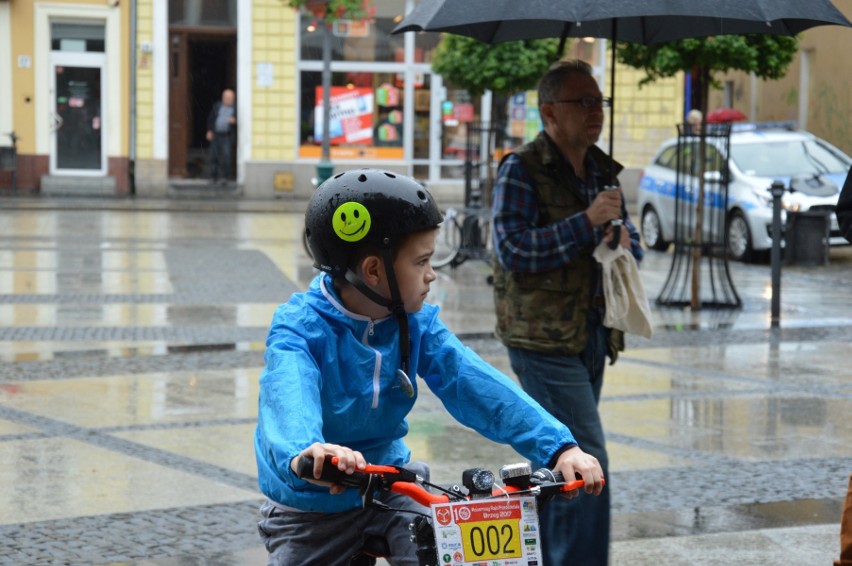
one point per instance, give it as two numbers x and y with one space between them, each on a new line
777 189
325 169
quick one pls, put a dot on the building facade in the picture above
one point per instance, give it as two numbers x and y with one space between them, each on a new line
110 97
816 92
64 92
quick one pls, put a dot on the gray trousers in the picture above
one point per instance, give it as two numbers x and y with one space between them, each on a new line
330 539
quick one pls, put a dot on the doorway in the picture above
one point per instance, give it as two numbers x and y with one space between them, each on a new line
77 129
202 63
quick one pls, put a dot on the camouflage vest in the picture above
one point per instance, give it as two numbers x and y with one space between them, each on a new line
546 311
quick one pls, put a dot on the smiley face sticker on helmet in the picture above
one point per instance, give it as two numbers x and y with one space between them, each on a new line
351 221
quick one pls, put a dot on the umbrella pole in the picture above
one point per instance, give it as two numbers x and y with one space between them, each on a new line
618 222
612 106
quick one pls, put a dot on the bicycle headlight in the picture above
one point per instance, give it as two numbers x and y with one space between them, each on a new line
478 481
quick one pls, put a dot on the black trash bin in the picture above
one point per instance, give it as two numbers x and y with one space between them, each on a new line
806 238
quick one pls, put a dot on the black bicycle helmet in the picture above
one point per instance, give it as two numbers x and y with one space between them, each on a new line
364 207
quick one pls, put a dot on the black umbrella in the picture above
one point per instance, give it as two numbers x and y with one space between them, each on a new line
636 21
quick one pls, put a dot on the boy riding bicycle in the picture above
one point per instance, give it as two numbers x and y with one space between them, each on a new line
341 364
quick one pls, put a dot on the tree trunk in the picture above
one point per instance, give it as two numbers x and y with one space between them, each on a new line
698 235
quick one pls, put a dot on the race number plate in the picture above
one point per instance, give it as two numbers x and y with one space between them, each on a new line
488 532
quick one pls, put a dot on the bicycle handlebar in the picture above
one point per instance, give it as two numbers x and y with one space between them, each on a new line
542 483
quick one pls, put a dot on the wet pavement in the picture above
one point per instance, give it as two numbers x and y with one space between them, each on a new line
132 336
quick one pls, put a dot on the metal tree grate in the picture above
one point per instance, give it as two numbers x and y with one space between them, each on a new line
715 289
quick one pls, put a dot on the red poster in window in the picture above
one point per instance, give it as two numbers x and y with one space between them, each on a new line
351 117
463 112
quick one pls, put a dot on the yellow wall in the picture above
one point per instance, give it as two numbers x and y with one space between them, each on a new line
644 117
274 108
23 80
24 93
125 72
144 82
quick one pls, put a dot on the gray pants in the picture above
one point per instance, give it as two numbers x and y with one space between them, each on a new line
330 539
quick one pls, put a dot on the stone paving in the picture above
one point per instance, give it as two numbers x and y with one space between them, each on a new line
131 336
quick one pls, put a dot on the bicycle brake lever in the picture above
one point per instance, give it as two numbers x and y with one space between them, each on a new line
389 474
545 476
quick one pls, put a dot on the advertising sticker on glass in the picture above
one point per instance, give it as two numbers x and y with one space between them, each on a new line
351 116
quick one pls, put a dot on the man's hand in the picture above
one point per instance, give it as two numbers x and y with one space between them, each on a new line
209 135
574 462
605 207
348 461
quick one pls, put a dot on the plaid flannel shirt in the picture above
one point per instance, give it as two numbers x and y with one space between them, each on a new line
522 244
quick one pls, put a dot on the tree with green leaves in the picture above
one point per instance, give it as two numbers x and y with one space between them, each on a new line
767 56
505 68
333 10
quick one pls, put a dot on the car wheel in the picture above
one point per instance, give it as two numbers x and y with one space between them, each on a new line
739 237
652 233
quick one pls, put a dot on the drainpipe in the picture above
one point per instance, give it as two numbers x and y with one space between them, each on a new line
132 157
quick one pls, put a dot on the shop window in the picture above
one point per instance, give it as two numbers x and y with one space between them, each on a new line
425 44
366 119
422 115
77 36
222 13
353 41
459 111
368 40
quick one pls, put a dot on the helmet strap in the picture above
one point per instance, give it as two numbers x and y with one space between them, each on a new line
397 307
359 284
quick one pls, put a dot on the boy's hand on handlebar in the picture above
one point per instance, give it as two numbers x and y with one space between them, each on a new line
576 463
349 461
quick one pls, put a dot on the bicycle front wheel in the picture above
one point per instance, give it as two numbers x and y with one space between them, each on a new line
447 242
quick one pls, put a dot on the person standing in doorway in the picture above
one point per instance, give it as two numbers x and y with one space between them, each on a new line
550 211
221 130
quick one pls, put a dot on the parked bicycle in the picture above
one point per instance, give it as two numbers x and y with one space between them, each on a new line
465 234
479 521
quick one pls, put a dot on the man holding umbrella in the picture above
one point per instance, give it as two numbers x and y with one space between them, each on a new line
551 210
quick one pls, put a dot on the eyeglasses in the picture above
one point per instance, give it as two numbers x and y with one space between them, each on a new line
587 101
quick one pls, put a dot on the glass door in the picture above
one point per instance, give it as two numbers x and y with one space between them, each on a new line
77 127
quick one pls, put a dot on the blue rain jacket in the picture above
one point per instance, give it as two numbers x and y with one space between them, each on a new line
330 376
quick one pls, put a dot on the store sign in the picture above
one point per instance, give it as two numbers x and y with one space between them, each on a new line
464 113
351 28
351 115
524 118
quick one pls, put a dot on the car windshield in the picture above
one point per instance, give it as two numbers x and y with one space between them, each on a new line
787 158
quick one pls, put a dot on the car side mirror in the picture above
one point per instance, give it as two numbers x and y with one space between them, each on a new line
814 185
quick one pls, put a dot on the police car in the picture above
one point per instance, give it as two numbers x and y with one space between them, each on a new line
760 154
